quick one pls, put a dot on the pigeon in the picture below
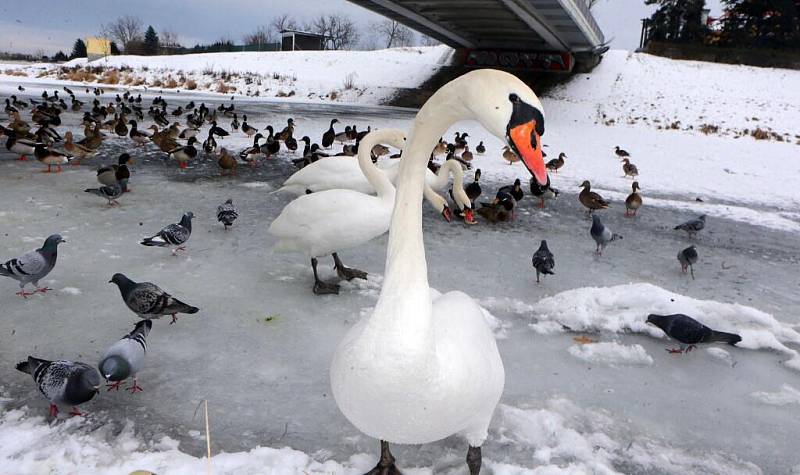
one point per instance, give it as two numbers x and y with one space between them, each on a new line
111 193
33 266
63 383
175 234
689 331
687 258
601 234
148 301
125 357
226 213
693 225
543 261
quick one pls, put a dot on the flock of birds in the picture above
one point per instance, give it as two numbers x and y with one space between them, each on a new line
311 223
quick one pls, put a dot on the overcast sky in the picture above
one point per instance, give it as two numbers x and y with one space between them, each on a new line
51 25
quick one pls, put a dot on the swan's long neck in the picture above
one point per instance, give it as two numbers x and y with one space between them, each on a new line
403 311
375 177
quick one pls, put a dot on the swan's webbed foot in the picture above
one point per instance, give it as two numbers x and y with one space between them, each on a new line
474 460
386 464
347 273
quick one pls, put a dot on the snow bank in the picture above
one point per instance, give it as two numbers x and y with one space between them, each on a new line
787 395
611 353
625 308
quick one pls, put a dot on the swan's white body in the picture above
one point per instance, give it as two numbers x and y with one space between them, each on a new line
423 367
328 221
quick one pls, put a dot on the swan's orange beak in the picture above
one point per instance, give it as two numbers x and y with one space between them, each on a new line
527 143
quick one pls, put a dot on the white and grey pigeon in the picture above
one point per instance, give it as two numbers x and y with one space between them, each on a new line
543 260
63 383
688 257
33 266
125 358
147 300
226 213
693 225
175 234
601 234
111 193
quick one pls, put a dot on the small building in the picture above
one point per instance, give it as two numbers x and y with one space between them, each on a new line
294 40
97 48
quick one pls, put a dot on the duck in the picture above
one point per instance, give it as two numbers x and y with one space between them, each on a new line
440 148
494 212
291 143
556 163
218 131
424 366
251 154
473 189
189 132
183 154
543 192
620 153
51 157
209 144
629 169
343 137
178 112
271 146
466 155
120 128
634 201
78 151
227 162
287 131
247 128
509 155
330 135
235 122
591 200
137 135
515 190
22 147
19 126
93 137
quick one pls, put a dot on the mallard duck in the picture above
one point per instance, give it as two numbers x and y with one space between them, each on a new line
218 131
226 162
590 199
235 122
494 213
556 163
343 137
629 168
272 146
247 128
330 135
620 152
183 154
473 190
121 128
209 144
363 133
287 131
509 155
137 135
78 151
466 155
251 154
189 132
23 147
514 190
542 192
51 157
440 148
634 201
19 126
178 112
291 143
481 149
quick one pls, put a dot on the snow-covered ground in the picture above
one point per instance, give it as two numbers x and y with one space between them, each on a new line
589 387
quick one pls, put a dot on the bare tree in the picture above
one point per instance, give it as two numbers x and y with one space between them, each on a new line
339 30
260 36
124 30
168 39
283 22
393 33
428 41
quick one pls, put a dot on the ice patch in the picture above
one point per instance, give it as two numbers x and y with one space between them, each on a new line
257 184
71 290
722 355
624 308
611 353
787 395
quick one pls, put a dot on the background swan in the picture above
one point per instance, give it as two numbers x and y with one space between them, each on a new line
421 369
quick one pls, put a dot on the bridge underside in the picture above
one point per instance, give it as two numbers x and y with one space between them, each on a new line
531 25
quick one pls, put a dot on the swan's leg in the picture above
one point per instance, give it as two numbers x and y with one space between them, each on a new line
320 287
346 272
474 460
386 464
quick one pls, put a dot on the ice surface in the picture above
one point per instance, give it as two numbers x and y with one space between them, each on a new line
787 395
611 353
260 348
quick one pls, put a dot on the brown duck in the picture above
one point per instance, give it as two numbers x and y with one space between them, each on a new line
227 162
509 155
77 150
556 163
634 201
629 168
590 199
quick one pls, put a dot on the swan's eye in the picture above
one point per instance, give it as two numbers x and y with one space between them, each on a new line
513 97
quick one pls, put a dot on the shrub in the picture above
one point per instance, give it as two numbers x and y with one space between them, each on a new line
190 84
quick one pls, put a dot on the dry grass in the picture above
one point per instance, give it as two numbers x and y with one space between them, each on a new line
111 76
15 72
709 129
170 83
157 83
333 95
760 134
190 84
224 88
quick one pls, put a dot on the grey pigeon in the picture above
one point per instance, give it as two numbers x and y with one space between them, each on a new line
125 357
687 257
111 193
147 300
63 383
543 261
693 225
689 331
226 213
601 234
33 266
173 235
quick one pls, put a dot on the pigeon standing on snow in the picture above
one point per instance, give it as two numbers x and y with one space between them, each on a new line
543 261
148 301
687 257
175 234
63 383
125 357
111 193
689 331
226 213
33 266
693 225
601 234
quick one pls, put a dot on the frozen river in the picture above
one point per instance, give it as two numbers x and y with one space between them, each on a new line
260 348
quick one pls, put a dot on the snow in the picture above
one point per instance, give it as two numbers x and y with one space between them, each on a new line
787 395
611 353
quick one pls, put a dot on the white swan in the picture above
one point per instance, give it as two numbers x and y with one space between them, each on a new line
423 367
323 223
